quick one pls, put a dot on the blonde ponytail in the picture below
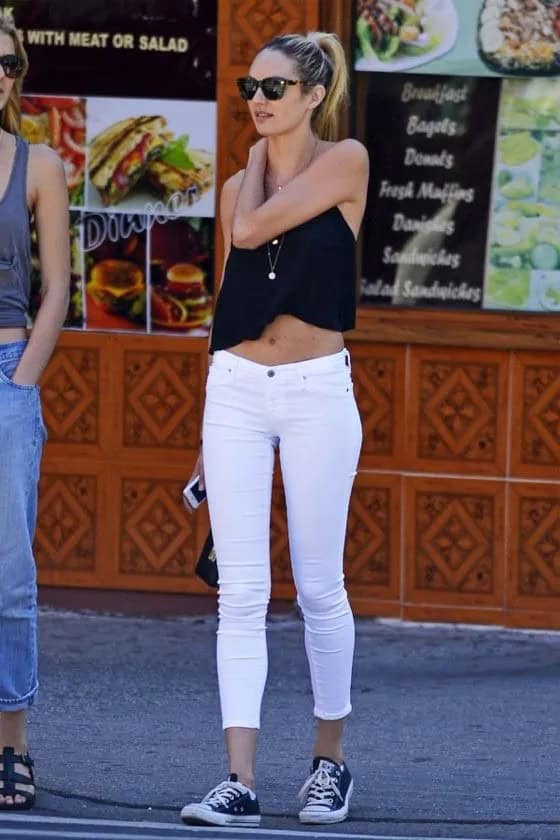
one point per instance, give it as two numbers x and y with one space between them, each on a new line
10 117
320 60
326 117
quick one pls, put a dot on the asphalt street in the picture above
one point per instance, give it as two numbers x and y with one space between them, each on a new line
455 731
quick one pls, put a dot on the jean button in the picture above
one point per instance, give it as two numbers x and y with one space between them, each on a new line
270 373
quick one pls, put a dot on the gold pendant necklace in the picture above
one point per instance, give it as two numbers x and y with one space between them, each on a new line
272 263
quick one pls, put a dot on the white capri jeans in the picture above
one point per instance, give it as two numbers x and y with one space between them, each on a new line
308 410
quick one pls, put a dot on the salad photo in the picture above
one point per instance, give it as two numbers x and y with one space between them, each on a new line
397 35
520 36
60 122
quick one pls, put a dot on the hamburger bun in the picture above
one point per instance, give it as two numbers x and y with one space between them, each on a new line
117 278
186 279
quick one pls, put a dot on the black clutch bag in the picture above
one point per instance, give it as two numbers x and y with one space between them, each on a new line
207 568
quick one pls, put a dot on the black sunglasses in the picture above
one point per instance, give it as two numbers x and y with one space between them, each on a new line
12 65
273 87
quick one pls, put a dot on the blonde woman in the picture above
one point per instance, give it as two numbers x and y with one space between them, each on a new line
32 181
280 379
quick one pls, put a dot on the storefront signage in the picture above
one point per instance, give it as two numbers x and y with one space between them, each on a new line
429 198
459 37
125 93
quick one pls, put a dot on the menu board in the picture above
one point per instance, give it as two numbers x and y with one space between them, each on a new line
125 93
453 37
464 194
429 190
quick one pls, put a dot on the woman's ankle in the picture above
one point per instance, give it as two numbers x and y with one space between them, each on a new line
246 779
13 731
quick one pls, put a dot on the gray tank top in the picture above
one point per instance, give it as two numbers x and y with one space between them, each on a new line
15 246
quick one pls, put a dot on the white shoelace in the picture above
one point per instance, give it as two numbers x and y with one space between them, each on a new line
224 794
319 789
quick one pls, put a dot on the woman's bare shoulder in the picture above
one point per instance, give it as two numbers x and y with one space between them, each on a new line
45 165
44 159
346 152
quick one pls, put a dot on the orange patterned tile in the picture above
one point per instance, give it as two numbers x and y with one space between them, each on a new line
73 526
373 542
156 542
457 411
534 547
378 372
535 446
454 542
247 24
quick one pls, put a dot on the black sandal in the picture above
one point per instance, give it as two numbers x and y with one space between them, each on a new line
10 779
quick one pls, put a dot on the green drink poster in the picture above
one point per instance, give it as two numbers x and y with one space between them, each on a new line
523 255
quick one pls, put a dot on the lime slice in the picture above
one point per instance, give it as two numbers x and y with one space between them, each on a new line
507 236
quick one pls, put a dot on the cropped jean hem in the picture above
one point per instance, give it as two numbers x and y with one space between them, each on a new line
20 704
240 724
330 716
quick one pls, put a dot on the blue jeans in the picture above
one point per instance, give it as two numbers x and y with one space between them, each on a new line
21 442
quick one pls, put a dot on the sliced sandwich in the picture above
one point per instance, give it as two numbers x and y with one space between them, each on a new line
120 155
181 173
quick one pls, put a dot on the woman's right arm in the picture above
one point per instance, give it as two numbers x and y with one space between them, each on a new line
228 199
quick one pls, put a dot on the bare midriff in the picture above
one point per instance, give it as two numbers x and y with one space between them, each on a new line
286 340
9 334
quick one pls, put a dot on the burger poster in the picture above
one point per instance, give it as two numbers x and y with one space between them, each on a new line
459 37
128 102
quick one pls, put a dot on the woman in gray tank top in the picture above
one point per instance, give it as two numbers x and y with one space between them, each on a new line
32 181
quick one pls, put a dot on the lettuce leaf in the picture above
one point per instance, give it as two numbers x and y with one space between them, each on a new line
363 33
176 154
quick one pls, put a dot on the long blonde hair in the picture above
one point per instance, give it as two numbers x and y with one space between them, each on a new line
320 60
10 117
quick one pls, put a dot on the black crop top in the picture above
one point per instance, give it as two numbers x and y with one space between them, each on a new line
315 281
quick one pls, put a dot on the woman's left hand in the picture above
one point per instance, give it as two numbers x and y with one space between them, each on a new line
17 381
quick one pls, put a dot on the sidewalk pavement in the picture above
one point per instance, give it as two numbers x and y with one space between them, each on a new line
455 731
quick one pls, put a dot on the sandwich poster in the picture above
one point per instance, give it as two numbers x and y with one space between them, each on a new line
129 105
459 37
159 158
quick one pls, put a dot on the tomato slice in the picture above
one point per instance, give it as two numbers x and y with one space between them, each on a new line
55 127
71 144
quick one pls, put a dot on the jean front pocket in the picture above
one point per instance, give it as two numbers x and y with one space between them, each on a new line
219 375
330 384
7 369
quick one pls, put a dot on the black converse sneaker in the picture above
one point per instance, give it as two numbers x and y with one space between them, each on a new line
229 803
326 793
